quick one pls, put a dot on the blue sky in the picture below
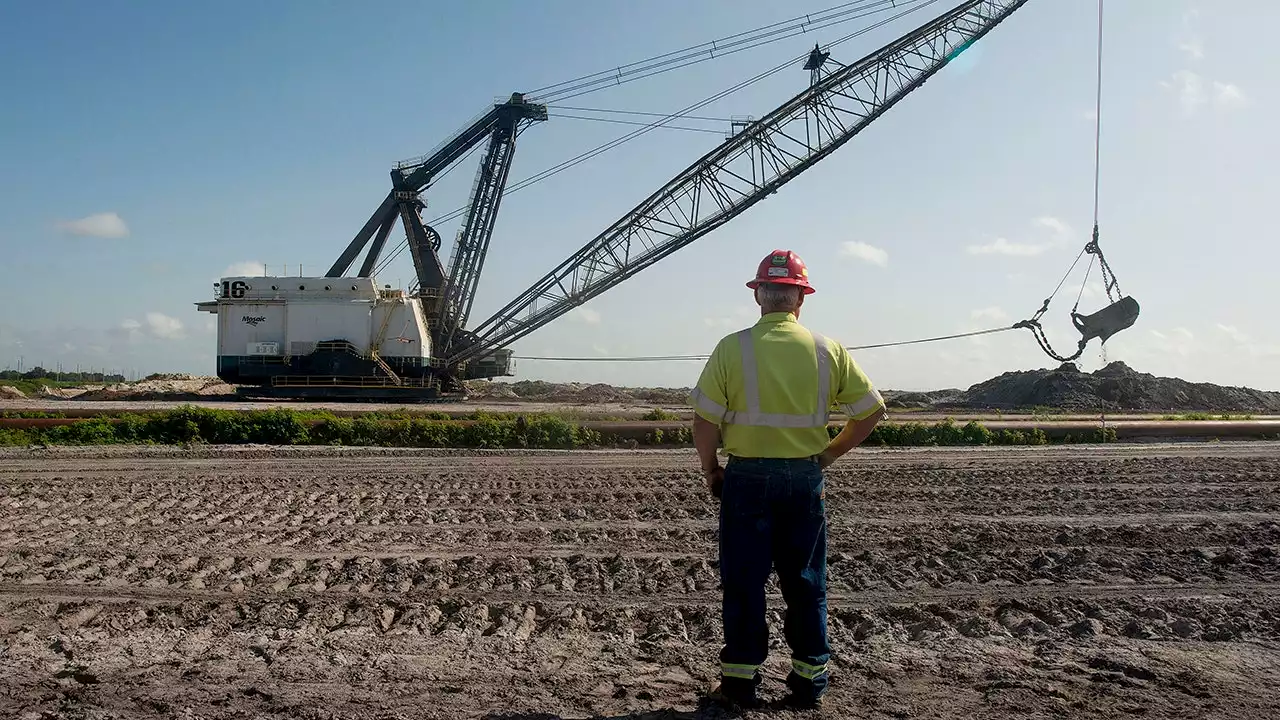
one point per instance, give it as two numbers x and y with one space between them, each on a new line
149 147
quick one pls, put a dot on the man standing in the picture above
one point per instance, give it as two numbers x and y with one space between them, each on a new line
767 392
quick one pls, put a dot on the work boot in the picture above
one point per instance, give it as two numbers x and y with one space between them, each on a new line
738 693
801 701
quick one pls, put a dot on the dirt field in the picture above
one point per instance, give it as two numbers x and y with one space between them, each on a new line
1102 582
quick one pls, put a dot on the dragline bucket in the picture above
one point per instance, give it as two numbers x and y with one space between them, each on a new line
1108 321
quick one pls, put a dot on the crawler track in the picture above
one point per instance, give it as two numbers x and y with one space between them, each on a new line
320 583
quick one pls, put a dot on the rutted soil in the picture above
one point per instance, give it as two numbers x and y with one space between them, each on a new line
321 583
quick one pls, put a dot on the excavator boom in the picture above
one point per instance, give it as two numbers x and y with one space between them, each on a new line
744 170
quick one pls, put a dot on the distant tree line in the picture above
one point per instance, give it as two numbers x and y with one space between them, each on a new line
39 373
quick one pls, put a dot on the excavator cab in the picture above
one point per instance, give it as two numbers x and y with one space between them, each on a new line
1108 321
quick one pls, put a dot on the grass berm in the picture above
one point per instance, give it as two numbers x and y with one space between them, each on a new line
282 426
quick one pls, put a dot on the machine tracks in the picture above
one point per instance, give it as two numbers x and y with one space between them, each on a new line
188 580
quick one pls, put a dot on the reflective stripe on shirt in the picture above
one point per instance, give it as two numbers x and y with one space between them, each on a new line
869 402
751 389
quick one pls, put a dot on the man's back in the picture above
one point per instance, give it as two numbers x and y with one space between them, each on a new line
772 386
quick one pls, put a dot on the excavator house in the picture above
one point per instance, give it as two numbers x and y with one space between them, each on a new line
343 336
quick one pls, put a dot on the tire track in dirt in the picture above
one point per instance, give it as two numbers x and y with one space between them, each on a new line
279 582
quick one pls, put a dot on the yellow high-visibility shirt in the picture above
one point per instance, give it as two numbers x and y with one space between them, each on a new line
771 388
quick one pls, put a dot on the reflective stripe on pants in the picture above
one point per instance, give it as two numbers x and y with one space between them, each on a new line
738 670
807 671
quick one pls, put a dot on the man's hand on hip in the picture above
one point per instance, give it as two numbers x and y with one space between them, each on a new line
715 480
826 459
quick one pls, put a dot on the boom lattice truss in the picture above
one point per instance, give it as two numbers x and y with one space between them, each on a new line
744 170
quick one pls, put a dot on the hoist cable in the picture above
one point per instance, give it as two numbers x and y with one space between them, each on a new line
672 358
1097 128
1092 247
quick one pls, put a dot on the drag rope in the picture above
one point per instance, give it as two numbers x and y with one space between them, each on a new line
674 358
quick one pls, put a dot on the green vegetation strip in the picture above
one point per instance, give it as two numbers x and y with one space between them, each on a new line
282 426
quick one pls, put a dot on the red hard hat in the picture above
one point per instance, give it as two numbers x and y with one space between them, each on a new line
783 267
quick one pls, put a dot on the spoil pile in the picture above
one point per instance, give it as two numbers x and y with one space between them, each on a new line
162 387
1116 387
575 393
8 392
903 400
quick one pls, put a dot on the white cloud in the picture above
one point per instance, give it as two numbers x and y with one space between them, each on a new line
1193 92
864 252
600 350
740 317
157 325
1190 89
1234 333
1190 41
1059 233
1193 47
1093 290
1228 97
129 330
1175 342
1001 246
164 327
587 315
994 314
1060 229
101 225
248 268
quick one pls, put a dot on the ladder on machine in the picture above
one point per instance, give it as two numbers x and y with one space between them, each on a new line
377 343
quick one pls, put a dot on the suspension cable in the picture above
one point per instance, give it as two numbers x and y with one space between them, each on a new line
683 116
702 52
634 122
556 169
598 150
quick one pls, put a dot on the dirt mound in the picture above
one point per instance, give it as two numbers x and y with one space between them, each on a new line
8 392
60 393
161 389
487 390
1115 387
599 393
902 400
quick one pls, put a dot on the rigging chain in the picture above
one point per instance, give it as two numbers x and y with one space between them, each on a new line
1109 281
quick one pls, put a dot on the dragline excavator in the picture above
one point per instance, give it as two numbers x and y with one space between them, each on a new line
344 335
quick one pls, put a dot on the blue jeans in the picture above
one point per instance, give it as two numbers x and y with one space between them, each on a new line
773 516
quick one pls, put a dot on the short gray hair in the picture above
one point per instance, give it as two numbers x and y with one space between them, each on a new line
775 297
